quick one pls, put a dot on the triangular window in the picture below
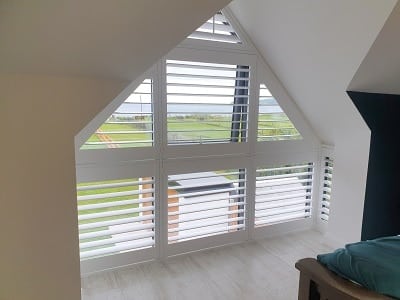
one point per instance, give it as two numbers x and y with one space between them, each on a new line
273 123
189 137
216 29
130 125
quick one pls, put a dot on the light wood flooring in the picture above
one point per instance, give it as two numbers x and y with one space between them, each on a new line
262 269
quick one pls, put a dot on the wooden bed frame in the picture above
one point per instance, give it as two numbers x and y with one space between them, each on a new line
319 283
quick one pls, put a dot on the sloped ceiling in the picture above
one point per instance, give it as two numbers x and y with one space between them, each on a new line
115 39
380 70
315 48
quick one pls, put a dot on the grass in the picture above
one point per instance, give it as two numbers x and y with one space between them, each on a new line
197 128
193 128
278 125
127 136
122 137
97 191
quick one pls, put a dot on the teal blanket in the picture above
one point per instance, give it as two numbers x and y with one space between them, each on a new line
375 264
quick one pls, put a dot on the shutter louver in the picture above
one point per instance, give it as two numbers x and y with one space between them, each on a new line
206 102
283 194
205 204
131 125
273 123
115 216
216 29
326 187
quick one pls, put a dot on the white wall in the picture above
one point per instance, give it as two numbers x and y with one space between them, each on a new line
348 187
315 47
41 114
38 224
380 69
100 38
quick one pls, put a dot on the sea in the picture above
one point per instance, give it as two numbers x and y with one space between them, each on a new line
182 109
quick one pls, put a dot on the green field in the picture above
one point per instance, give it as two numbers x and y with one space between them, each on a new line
190 128
105 200
100 191
279 127
197 128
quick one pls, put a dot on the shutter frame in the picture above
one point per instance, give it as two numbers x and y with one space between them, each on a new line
216 29
213 97
125 222
130 125
274 204
216 206
273 123
326 186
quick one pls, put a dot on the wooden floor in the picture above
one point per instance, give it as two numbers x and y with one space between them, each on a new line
262 269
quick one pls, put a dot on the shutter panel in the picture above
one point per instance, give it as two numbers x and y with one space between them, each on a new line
115 216
216 29
326 187
131 125
273 123
206 102
205 204
283 193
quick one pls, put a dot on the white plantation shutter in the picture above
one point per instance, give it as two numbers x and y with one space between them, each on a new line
273 123
177 183
216 29
326 187
206 102
130 125
205 204
115 216
283 193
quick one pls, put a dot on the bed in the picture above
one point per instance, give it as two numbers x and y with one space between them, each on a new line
367 270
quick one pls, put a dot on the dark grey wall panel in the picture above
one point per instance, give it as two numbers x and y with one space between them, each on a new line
382 196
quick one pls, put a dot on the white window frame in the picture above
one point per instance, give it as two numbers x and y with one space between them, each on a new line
326 151
269 161
186 165
164 159
245 46
176 151
309 139
140 153
109 171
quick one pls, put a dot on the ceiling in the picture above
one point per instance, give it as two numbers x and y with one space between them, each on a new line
116 39
380 70
315 47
